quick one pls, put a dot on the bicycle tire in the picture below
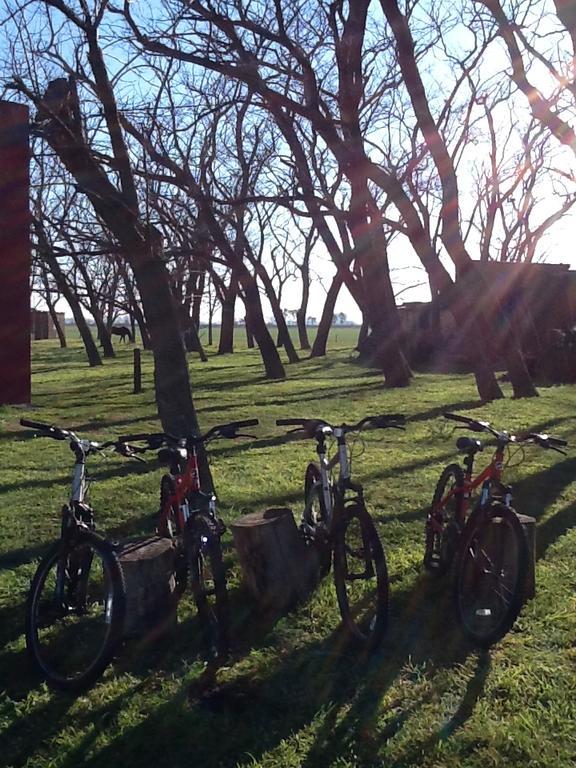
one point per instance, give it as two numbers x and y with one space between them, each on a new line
356 540
74 628
315 517
491 573
440 546
208 583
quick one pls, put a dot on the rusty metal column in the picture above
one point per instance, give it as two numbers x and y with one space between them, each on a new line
14 254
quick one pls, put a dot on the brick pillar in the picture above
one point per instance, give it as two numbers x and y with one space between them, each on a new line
14 254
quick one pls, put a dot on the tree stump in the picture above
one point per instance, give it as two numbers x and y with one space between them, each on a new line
148 567
278 567
529 526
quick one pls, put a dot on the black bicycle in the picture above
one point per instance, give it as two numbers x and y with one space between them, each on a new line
335 520
76 604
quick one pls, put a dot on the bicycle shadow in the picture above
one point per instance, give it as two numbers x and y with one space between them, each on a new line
417 640
326 679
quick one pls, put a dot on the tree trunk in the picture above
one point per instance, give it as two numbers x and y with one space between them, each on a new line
303 308
284 338
302 329
249 334
362 335
64 287
197 299
193 331
522 384
321 340
171 378
255 318
226 344
56 322
136 312
382 311
103 333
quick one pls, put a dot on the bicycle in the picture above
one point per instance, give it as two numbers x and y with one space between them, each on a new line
77 599
342 530
189 518
487 547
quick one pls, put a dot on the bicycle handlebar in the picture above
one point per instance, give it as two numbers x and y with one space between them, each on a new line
50 430
541 439
88 446
156 439
311 426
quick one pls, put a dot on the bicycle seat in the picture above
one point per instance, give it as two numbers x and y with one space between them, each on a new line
468 445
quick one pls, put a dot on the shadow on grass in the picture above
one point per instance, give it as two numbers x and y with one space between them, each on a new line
325 680
537 492
120 470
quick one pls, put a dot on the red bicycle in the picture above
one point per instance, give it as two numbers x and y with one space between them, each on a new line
488 545
189 518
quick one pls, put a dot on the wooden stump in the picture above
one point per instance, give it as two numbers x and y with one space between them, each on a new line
279 568
148 567
529 525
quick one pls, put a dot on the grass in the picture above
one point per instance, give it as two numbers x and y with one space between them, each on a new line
293 696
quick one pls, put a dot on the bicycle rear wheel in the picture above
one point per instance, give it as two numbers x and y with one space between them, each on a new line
75 611
491 574
208 582
443 522
360 575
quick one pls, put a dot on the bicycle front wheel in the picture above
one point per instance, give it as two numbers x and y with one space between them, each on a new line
491 574
208 582
360 575
75 611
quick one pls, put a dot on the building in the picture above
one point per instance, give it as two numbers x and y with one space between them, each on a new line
42 327
523 303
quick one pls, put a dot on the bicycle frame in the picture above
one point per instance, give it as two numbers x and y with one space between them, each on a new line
343 483
491 474
186 483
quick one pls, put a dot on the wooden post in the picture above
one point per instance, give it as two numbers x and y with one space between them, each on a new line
148 568
14 254
278 567
137 371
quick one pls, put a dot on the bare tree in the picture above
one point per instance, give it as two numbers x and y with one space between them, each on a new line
100 163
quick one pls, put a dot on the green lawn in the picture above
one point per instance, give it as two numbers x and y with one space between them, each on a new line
292 696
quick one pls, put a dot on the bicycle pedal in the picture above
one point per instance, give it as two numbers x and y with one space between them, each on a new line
307 533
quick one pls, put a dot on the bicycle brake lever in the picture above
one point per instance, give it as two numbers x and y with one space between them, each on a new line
294 431
559 450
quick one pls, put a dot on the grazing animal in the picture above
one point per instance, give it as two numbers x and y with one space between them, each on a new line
122 331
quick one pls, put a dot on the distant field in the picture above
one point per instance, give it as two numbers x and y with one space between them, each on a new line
292 696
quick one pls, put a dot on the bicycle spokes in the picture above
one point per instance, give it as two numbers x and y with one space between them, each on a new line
360 576
489 577
72 612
